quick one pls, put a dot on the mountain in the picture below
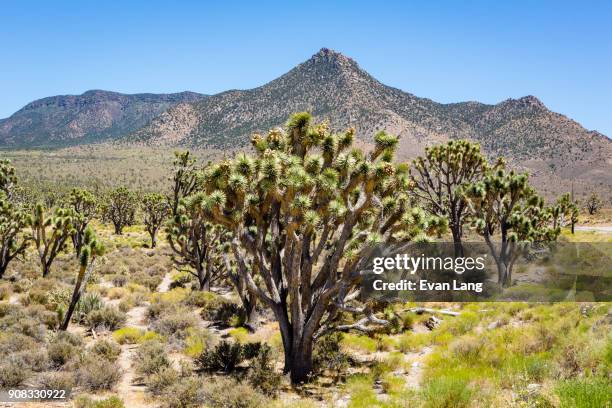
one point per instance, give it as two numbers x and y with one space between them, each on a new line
93 116
333 87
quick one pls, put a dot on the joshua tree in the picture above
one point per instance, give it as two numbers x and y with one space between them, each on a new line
565 212
51 233
155 209
195 241
85 207
184 179
593 203
120 208
439 177
8 179
307 220
13 240
504 203
90 249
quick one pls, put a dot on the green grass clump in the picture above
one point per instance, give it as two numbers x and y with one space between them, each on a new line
240 334
446 392
197 341
133 335
361 391
359 343
585 393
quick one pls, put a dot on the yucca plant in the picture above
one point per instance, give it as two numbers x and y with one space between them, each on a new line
85 207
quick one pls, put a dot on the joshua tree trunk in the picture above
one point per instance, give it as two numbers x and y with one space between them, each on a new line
297 344
458 246
118 229
153 234
250 312
76 295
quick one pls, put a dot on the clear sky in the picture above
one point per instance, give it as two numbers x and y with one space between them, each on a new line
559 51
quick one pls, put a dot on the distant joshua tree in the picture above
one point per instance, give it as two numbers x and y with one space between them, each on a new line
120 208
155 210
593 203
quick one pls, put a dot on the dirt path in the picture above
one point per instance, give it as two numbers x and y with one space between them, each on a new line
130 390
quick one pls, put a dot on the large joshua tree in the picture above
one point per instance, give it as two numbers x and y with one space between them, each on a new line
8 178
50 234
439 177
508 213
90 250
13 240
305 211
155 209
85 207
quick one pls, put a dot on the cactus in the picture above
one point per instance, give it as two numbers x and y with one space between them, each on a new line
305 211
504 203
119 208
85 207
50 233
90 250
438 179
155 209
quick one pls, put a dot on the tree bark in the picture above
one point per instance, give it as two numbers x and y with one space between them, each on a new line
250 312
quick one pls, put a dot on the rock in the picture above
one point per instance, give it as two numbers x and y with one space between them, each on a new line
432 322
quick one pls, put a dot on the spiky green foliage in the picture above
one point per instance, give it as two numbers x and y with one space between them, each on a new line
439 177
564 212
13 240
85 206
120 208
155 210
304 211
506 208
593 203
50 233
90 250
8 179
195 242
185 178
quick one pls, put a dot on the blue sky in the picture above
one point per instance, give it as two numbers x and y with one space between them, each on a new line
447 51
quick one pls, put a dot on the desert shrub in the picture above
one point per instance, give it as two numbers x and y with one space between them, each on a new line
262 375
5 291
13 372
29 327
44 316
224 357
11 343
59 380
95 373
116 293
240 334
162 379
218 309
128 335
151 357
184 393
413 341
60 352
175 324
392 384
8 309
109 318
467 347
251 350
361 391
106 349
72 338
35 359
83 401
119 280
328 355
181 280
227 393
443 392
197 340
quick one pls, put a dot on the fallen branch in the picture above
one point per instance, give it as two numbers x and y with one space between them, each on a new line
421 310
